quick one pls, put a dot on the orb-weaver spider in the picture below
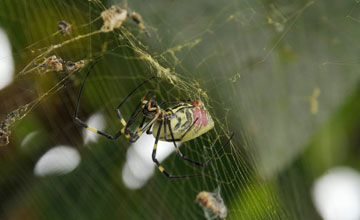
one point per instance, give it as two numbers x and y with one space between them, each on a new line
184 121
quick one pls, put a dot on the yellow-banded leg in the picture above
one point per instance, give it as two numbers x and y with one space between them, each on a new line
141 129
117 109
201 164
82 123
129 134
122 120
161 168
135 135
167 123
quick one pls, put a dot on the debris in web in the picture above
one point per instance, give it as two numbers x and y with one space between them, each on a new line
212 204
70 66
20 113
138 20
113 18
52 63
9 121
64 27
57 64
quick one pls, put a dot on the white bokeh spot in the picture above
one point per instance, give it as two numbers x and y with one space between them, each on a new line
57 160
336 194
6 61
96 121
139 167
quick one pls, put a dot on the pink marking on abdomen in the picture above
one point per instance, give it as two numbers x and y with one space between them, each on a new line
197 116
200 115
203 118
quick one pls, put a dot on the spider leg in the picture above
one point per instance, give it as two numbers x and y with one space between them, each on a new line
117 109
129 133
217 152
148 131
134 136
82 123
173 101
141 129
126 125
182 136
177 149
161 168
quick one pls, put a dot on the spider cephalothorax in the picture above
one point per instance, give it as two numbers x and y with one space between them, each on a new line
150 108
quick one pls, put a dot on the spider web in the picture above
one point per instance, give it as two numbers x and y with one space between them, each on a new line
241 58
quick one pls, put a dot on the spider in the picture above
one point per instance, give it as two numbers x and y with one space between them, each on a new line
182 122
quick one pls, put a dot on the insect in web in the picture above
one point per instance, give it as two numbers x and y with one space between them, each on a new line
184 121
212 204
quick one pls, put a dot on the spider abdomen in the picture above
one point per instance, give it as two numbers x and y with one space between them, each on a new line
187 121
